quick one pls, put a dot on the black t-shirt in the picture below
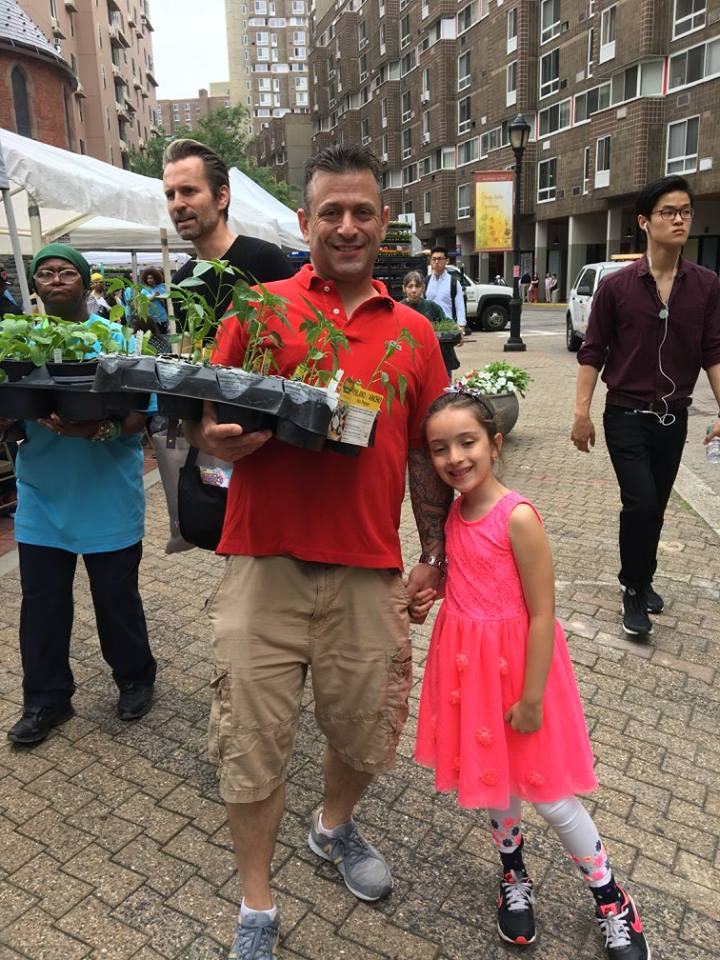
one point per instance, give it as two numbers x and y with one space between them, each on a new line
257 259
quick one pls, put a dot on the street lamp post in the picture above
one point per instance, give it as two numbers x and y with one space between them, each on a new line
519 137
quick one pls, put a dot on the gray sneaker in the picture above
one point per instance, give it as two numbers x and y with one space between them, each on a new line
362 867
256 938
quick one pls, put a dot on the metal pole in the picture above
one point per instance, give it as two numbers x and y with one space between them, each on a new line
17 252
515 341
168 278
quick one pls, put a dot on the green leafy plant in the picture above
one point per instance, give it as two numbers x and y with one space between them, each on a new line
39 339
496 378
446 326
321 337
381 374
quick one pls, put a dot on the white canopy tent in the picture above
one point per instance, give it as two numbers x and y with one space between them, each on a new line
55 193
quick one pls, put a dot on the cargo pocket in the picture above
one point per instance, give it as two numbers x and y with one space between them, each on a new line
220 712
399 682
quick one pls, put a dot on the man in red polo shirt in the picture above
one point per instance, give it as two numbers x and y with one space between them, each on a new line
313 560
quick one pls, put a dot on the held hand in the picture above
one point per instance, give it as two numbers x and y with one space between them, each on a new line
421 605
228 441
715 432
421 579
582 433
525 717
83 429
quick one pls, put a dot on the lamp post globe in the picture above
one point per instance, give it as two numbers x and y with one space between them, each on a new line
519 138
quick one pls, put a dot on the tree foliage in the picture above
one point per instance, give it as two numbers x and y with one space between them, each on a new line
228 132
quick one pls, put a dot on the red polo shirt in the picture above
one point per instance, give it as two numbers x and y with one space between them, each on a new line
323 506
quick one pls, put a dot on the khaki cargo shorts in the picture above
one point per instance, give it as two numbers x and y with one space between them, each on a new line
272 618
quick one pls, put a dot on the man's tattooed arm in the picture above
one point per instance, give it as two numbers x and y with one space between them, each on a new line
431 500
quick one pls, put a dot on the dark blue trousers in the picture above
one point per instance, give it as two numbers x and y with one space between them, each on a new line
46 618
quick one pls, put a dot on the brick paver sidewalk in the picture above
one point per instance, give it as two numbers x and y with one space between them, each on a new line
113 844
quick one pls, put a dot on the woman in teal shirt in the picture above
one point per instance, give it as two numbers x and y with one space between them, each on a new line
80 492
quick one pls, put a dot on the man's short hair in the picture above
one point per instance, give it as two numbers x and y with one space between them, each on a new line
216 169
442 250
649 195
341 158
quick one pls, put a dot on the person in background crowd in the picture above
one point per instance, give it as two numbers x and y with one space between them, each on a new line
8 303
328 594
413 288
152 285
652 327
554 291
444 288
534 288
80 492
96 301
548 287
525 286
197 189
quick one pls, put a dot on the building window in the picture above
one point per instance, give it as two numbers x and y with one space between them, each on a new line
406 106
555 118
512 30
697 63
468 152
427 206
405 31
365 131
590 102
407 143
689 16
590 45
511 84
21 102
547 180
602 162
549 20
682 146
426 126
607 34
383 112
549 73
586 169
464 74
464 200
425 87
466 18
464 115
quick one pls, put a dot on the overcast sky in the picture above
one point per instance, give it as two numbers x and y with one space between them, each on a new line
189 45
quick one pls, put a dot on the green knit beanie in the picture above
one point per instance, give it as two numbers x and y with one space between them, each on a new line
65 252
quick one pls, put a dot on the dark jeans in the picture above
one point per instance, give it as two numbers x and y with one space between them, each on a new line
646 456
46 617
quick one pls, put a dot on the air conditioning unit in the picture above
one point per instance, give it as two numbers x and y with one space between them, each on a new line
424 96
55 27
426 138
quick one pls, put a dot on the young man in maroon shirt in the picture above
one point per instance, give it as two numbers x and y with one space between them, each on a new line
313 560
653 326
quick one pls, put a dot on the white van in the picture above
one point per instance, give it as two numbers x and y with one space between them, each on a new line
581 298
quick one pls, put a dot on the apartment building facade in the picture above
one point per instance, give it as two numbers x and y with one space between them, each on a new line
284 145
267 55
172 115
618 92
106 46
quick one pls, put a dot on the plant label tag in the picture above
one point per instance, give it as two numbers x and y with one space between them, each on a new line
57 355
353 418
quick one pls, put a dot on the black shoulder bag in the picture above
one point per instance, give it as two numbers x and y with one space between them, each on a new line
201 506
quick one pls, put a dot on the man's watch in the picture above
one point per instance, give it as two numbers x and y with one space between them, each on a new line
439 561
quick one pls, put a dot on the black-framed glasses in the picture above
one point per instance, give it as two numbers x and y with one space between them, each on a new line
46 275
670 213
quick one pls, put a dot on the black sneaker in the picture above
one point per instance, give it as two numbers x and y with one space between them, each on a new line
622 928
516 917
654 603
636 622
37 722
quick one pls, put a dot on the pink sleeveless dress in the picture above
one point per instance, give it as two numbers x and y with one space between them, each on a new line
475 672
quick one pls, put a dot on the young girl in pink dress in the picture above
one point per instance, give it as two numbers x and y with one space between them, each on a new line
500 715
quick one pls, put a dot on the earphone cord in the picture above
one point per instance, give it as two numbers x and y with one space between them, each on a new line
667 419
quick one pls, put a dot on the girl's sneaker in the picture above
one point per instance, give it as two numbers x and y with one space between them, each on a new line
516 917
622 928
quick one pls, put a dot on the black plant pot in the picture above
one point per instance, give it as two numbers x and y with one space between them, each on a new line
23 403
249 420
16 369
73 371
179 408
289 432
80 404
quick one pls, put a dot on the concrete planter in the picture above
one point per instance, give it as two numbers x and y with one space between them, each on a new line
507 409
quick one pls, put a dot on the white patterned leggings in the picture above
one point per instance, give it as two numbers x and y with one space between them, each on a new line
574 827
